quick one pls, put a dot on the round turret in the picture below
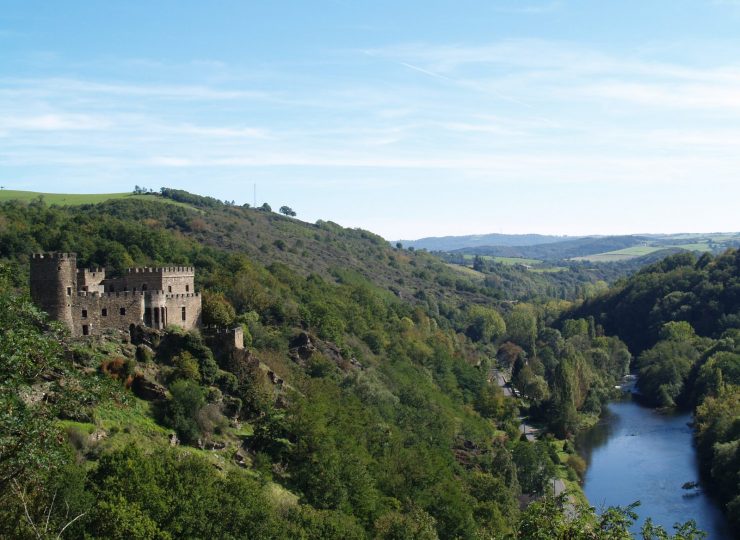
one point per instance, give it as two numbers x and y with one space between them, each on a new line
53 283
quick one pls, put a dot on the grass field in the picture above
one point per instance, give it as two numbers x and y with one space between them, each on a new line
73 199
504 260
639 251
466 271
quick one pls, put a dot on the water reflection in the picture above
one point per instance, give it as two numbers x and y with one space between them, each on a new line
634 453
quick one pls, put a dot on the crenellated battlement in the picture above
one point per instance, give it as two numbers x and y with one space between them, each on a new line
117 294
54 255
157 294
183 295
125 294
97 270
157 271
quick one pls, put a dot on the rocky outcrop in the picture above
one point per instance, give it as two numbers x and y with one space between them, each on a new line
302 348
148 390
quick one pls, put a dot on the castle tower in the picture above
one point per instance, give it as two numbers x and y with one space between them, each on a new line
54 283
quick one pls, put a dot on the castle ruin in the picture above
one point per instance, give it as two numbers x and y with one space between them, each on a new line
88 302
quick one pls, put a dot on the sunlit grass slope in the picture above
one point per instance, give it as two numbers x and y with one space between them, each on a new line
73 199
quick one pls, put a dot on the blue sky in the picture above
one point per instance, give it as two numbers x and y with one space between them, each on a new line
407 118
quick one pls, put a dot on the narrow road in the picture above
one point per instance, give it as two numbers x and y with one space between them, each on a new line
532 433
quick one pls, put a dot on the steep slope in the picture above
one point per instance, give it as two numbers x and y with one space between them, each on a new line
361 406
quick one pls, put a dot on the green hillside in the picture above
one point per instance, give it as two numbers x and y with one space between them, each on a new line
74 199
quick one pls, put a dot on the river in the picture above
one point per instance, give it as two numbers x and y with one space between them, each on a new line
635 453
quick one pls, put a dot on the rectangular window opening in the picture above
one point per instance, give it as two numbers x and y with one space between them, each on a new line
187 288
85 330
169 288
104 312
84 314
184 314
123 311
69 291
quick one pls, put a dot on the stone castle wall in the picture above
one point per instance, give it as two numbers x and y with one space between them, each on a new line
171 279
191 302
106 311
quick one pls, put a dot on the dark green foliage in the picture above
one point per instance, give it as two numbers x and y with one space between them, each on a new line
550 519
663 370
180 496
190 198
29 349
535 467
705 294
217 311
181 410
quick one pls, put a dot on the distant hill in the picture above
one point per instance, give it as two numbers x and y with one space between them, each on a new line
452 243
563 249
595 249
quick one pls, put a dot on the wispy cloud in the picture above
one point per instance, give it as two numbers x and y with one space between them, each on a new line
54 86
529 8
53 122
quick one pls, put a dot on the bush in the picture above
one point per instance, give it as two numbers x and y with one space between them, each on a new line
182 409
227 382
186 367
210 420
143 354
578 464
217 310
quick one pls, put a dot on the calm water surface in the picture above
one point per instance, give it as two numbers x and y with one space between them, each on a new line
635 454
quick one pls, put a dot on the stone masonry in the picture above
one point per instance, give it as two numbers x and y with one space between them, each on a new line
88 301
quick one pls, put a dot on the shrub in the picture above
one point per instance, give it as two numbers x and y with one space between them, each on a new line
143 354
187 400
186 367
578 464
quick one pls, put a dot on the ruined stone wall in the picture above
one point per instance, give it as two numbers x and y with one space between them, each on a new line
175 304
224 339
101 312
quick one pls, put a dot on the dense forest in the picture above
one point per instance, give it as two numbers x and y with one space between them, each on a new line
363 406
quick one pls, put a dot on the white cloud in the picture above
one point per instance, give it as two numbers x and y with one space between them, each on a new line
53 122
55 86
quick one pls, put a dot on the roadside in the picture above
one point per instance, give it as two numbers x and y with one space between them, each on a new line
532 433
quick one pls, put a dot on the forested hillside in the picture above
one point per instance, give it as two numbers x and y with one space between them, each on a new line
363 405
